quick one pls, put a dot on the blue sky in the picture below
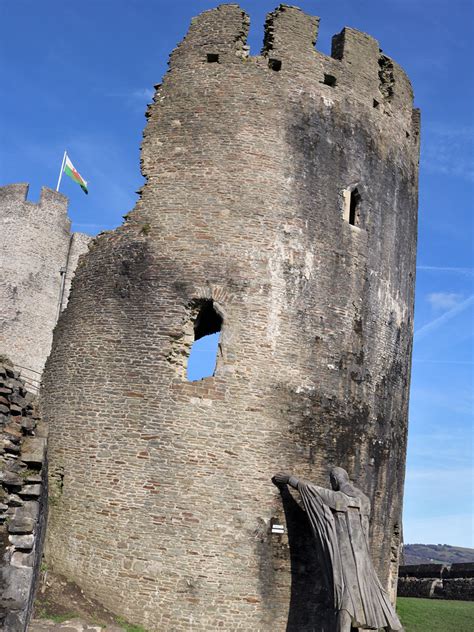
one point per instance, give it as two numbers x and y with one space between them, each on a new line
79 76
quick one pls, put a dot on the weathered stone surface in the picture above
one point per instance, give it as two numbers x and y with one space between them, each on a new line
23 560
15 501
33 478
31 282
249 163
10 447
28 424
23 542
74 625
21 521
11 479
30 490
33 450
442 581
21 525
459 589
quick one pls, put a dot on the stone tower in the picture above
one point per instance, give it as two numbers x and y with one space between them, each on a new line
38 256
280 209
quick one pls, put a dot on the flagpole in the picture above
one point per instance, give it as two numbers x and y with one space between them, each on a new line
61 172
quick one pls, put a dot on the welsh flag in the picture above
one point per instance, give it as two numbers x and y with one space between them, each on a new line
73 173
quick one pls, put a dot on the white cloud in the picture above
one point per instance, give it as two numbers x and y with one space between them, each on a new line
444 318
444 300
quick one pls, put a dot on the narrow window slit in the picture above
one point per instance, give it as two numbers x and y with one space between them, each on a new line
330 80
354 208
212 58
274 64
203 356
352 203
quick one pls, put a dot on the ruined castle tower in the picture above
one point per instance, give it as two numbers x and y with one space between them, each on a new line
280 209
38 256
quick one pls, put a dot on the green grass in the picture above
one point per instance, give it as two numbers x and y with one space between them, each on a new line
435 615
57 618
129 627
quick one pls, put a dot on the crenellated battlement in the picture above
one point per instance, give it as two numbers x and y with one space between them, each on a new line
356 69
38 256
51 204
289 33
17 192
221 31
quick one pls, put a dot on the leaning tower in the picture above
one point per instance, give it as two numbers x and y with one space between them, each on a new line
280 210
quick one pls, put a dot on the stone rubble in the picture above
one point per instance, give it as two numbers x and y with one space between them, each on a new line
72 625
22 495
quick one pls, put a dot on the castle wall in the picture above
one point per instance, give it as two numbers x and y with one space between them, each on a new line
165 505
23 495
35 253
437 581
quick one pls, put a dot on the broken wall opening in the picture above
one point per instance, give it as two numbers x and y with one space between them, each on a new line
202 359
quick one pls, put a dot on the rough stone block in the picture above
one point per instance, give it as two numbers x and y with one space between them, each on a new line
30 490
21 525
11 479
22 542
33 450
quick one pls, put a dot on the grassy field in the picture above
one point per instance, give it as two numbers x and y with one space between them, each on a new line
435 615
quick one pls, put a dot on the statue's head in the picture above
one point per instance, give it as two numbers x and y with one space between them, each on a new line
339 478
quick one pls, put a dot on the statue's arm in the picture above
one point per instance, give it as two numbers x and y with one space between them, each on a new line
333 499
293 481
283 478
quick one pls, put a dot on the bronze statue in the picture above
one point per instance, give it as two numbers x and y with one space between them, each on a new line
340 520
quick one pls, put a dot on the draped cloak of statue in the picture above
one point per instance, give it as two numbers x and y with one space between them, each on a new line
340 523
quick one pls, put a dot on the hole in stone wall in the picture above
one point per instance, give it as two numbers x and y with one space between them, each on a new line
352 201
354 208
274 64
376 103
330 80
203 357
212 58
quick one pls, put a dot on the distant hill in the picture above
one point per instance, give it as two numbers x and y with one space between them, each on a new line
436 554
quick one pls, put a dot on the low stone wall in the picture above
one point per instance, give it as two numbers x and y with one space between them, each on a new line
23 493
438 581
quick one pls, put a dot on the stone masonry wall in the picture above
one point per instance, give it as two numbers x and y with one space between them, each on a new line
163 506
437 581
36 251
23 493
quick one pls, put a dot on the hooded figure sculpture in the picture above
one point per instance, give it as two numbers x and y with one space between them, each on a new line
340 521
